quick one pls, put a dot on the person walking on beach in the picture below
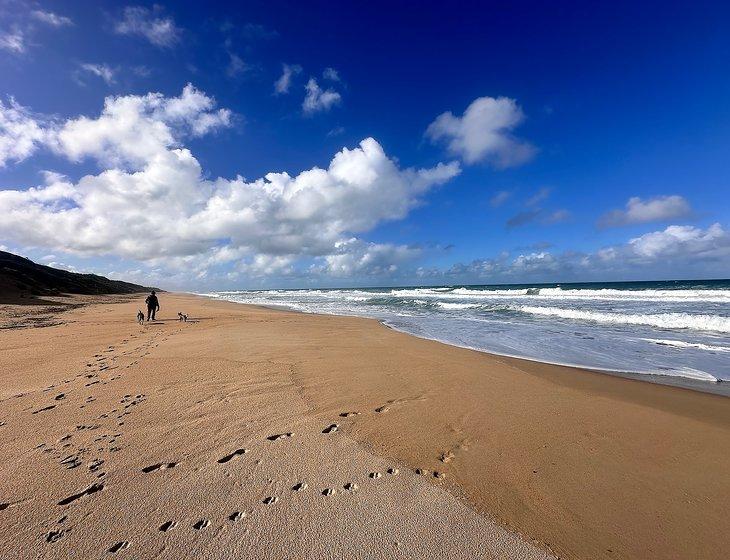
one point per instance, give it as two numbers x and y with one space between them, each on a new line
152 305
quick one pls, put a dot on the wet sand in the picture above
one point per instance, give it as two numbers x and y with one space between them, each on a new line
159 441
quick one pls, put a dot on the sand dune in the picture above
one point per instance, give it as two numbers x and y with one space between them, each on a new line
252 433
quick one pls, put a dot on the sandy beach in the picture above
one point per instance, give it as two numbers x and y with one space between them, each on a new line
256 433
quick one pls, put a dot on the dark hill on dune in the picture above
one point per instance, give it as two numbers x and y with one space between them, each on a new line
22 281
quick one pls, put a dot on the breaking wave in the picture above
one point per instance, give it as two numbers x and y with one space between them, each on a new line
660 320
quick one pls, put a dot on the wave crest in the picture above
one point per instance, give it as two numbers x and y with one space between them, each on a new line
660 320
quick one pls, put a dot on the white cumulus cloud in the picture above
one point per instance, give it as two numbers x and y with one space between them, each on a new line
152 202
288 72
638 211
665 253
20 132
158 29
683 241
484 133
134 129
331 74
263 266
50 18
103 71
355 257
318 99
13 41
236 65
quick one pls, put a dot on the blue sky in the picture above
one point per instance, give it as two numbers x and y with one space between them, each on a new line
521 143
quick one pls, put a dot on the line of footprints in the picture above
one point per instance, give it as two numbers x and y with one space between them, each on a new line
235 516
103 362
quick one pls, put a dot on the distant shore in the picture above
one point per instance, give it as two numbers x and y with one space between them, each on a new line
573 463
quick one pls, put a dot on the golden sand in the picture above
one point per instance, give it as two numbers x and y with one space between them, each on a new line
256 433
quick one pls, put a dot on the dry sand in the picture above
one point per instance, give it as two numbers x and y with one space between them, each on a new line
120 440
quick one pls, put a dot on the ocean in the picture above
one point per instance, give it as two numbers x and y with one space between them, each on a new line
676 332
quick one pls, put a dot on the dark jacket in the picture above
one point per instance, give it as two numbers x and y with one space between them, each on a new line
152 302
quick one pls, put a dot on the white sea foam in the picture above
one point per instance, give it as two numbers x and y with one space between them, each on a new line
687 373
557 294
450 305
607 294
683 344
660 320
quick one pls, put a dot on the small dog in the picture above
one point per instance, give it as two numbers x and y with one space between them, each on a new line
182 317
140 316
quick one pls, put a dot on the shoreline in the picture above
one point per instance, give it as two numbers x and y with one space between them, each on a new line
717 387
582 466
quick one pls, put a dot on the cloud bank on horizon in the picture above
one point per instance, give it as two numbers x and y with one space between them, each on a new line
125 192
152 203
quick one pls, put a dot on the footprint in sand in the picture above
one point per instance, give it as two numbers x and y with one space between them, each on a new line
270 500
328 491
299 487
236 516
71 461
54 536
422 472
330 429
167 525
393 471
123 545
49 407
158 466
88 491
230 456
375 475
348 414
386 406
350 486
202 524
59 397
439 475
446 457
277 437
